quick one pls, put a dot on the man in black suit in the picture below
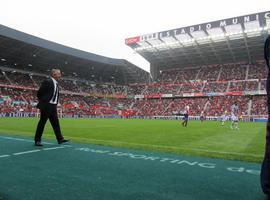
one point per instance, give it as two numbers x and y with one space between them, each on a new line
48 96
265 170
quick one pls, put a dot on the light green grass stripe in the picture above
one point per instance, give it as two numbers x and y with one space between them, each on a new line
169 147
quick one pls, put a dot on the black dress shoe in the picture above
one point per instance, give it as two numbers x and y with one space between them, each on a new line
63 141
38 144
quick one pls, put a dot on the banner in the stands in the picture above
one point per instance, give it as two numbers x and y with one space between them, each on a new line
188 94
199 94
139 96
152 96
234 93
166 95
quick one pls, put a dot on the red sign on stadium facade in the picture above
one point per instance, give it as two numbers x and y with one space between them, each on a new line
133 40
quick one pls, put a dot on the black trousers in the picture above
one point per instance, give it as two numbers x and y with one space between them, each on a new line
49 112
265 169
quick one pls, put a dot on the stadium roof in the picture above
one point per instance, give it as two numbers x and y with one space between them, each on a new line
27 52
225 41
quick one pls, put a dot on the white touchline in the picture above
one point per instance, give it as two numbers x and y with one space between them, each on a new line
21 139
67 145
3 156
52 148
34 151
25 152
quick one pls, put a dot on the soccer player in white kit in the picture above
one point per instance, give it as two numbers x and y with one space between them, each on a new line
224 118
185 118
235 120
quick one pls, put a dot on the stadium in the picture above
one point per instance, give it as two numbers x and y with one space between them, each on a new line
127 141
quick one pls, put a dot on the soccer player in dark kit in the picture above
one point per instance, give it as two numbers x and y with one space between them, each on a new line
185 118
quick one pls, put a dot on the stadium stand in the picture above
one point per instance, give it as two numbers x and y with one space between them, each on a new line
24 100
215 87
208 76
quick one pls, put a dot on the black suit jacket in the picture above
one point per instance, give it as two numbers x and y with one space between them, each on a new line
45 94
267 50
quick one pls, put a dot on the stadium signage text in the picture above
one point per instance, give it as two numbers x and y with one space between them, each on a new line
261 17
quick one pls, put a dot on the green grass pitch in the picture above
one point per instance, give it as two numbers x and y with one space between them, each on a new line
208 139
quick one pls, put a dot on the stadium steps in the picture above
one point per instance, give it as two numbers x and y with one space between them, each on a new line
10 82
219 74
249 107
196 78
228 86
34 82
165 110
202 87
179 90
23 98
247 72
140 109
176 78
145 89
206 105
131 106
259 86
85 103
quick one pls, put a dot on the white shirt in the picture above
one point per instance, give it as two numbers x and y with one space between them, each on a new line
234 118
234 108
55 92
224 117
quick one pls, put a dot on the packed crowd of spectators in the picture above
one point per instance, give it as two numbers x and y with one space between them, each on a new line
89 98
69 85
168 76
186 75
219 78
171 89
226 72
16 100
217 106
259 105
257 71
233 72
236 86
215 87
209 73
251 86
136 89
151 107
152 89
178 106
18 78
191 87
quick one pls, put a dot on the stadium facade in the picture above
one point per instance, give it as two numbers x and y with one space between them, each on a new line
232 40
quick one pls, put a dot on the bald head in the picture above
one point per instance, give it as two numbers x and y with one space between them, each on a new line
56 74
